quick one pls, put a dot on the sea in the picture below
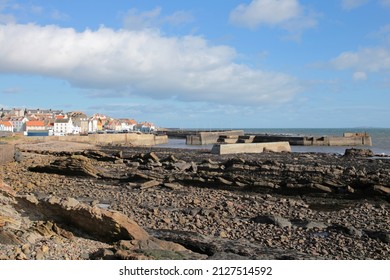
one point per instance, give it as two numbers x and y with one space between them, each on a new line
380 138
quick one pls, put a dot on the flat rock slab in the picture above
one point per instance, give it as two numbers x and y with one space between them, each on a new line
74 166
225 149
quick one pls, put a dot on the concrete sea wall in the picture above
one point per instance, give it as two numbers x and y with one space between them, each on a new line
207 138
128 138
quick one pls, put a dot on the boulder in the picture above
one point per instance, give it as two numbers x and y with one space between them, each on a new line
381 189
182 165
383 236
152 156
272 220
352 152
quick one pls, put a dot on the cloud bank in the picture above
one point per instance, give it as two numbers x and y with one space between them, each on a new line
142 62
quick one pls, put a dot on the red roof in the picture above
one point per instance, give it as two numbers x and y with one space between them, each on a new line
6 123
35 123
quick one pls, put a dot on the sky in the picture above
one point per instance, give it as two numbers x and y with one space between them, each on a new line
201 64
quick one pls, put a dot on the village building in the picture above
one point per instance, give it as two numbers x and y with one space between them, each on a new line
127 125
113 125
96 123
63 126
18 112
6 126
42 122
145 127
36 128
80 122
4 113
18 123
35 125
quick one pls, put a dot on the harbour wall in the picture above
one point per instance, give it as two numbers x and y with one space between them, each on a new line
125 138
238 136
348 139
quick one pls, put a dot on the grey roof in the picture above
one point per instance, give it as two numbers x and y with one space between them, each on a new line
61 121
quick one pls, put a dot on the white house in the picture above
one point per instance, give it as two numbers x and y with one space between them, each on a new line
145 127
92 125
63 127
18 122
128 125
6 126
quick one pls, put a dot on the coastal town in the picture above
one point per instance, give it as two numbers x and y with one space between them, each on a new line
48 122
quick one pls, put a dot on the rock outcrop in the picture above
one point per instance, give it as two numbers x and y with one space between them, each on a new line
352 152
105 225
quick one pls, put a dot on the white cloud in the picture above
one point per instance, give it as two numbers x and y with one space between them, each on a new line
287 14
352 4
367 59
359 76
57 15
179 17
143 62
135 20
383 34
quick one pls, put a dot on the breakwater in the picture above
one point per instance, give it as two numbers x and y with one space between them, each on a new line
348 139
239 136
206 138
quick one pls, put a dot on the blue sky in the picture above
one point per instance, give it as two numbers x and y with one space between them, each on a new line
201 64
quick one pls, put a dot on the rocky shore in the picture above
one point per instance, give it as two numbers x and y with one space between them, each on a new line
155 203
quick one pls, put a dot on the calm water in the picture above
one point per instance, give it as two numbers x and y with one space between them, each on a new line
380 138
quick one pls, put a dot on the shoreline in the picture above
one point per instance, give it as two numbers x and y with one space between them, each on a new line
247 206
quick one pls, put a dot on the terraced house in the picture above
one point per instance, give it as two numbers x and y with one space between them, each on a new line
6 126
